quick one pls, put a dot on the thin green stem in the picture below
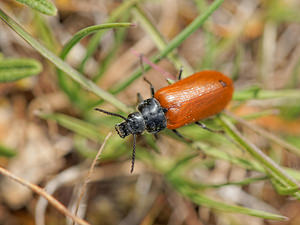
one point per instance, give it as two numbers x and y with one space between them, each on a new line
120 35
266 134
72 88
92 45
272 168
198 22
256 93
87 31
204 200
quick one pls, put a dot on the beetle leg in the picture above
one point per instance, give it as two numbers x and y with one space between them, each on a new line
180 73
181 136
155 136
133 153
151 87
202 125
143 72
139 97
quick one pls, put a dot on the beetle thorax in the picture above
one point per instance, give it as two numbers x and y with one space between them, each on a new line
153 114
151 117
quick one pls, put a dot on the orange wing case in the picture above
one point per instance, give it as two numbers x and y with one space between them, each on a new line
194 98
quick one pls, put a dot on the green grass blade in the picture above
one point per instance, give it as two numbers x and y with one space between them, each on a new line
71 88
6 151
87 131
78 126
120 36
92 46
74 74
270 136
176 42
87 31
44 32
203 200
82 146
43 6
242 162
196 24
180 165
271 167
159 40
16 69
244 182
256 93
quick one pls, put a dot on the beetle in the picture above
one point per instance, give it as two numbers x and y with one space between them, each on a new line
186 101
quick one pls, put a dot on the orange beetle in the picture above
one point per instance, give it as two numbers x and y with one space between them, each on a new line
194 98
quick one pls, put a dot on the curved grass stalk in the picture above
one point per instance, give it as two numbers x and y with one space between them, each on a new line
272 169
196 24
92 46
71 88
59 63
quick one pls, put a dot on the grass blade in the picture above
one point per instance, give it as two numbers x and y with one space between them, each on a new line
7 152
201 199
74 74
198 22
43 6
87 31
78 126
16 69
176 42
272 168
92 46
72 89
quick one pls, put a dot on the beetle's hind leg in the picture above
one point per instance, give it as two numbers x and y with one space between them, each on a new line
180 73
145 79
151 87
203 126
181 136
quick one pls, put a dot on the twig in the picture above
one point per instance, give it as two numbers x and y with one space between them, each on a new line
83 188
41 192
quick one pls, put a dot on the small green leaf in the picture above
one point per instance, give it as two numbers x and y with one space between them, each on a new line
43 6
16 69
6 151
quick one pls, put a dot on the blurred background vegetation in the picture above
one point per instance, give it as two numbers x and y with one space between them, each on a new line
49 132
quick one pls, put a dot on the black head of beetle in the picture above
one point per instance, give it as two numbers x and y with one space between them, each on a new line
134 124
150 117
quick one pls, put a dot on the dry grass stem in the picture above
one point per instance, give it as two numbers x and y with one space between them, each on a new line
83 188
41 192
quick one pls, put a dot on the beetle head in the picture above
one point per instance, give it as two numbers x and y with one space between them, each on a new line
122 129
134 124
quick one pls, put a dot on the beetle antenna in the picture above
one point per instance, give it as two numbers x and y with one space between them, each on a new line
110 113
133 153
